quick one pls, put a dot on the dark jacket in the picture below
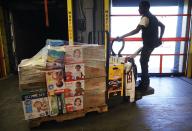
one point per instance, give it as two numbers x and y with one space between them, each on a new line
150 33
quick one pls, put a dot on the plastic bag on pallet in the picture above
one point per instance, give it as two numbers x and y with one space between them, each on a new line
129 82
31 71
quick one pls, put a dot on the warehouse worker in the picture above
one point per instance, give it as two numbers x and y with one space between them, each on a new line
151 39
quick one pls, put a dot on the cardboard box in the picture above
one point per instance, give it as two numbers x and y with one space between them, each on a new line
35 104
55 80
74 54
31 77
81 53
78 103
55 58
57 104
69 104
74 103
116 76
74 88
94 98
89 69
74 72
94 69
95 83
53 105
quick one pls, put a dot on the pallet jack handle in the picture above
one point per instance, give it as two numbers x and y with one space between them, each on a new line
122 47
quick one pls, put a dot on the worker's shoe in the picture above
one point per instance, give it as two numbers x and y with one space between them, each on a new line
144 89
141 86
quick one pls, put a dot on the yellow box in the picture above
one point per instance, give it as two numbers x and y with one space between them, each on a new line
116 76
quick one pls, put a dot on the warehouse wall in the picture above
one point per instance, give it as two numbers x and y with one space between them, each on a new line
92 12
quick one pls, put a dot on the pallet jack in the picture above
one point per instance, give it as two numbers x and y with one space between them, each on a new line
122 76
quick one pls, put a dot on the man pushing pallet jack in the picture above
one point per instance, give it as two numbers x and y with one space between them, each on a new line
122 84
149 25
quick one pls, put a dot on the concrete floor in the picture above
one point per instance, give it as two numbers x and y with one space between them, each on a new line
170 108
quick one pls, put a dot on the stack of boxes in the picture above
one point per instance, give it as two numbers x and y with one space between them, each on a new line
74 79
32 84
85 64
55 79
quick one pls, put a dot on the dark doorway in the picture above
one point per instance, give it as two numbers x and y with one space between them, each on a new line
30 31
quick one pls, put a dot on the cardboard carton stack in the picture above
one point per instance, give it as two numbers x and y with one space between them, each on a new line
86 64
32 81
69 78
31 77
55 78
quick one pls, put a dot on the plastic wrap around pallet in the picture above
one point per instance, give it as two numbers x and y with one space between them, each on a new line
74 78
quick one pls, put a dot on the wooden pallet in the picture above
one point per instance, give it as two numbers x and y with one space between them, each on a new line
69 116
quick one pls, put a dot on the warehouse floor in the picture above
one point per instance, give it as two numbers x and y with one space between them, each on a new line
170 108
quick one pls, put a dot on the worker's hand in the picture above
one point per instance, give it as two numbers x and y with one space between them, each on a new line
118 38
159 42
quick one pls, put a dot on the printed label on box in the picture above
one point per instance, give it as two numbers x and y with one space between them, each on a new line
74 72
78 103
55 80
35 105
69 101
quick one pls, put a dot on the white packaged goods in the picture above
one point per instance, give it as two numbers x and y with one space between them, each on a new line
35 104
129 82
30 71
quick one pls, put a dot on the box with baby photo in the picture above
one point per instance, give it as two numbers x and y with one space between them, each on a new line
74 72
74 103
83 52
35 104
73 54
55 80
76 88
78 103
